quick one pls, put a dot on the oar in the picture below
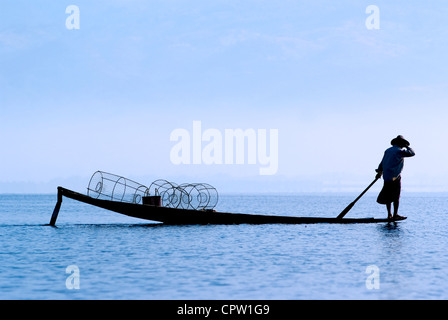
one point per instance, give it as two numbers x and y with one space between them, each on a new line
344 212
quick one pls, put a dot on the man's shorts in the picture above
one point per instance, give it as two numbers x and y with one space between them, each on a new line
390 192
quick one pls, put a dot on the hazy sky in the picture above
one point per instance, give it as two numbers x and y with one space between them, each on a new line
107 96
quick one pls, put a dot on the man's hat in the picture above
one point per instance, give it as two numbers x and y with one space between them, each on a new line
400 141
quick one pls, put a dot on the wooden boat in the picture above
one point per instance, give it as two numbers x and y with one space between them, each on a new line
176 216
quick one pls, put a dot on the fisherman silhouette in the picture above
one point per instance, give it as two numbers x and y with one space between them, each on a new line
390 168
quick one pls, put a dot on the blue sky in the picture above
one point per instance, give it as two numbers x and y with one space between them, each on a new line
107 96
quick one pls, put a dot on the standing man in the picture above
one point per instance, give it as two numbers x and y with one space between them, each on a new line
391 167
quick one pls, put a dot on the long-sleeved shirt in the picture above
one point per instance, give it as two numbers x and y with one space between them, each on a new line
393 160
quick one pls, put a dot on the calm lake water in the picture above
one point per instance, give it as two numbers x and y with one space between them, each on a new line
125 258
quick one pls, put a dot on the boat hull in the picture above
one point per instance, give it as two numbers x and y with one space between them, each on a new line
173 216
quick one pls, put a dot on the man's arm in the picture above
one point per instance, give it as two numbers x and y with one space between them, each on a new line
379 171
407 152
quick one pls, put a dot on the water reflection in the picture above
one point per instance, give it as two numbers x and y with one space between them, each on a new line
390 227
391 235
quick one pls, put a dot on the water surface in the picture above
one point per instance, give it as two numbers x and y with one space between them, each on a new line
120 257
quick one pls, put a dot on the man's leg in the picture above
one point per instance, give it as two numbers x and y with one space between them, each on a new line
389 212
396 204
397 199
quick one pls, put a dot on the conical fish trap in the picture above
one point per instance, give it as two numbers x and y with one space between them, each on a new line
109 186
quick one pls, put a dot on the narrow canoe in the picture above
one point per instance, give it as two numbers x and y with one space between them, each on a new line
174 216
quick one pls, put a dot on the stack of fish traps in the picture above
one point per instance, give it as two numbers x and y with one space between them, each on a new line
194 196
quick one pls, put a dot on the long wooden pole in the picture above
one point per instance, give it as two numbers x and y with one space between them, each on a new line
54 216
346 210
